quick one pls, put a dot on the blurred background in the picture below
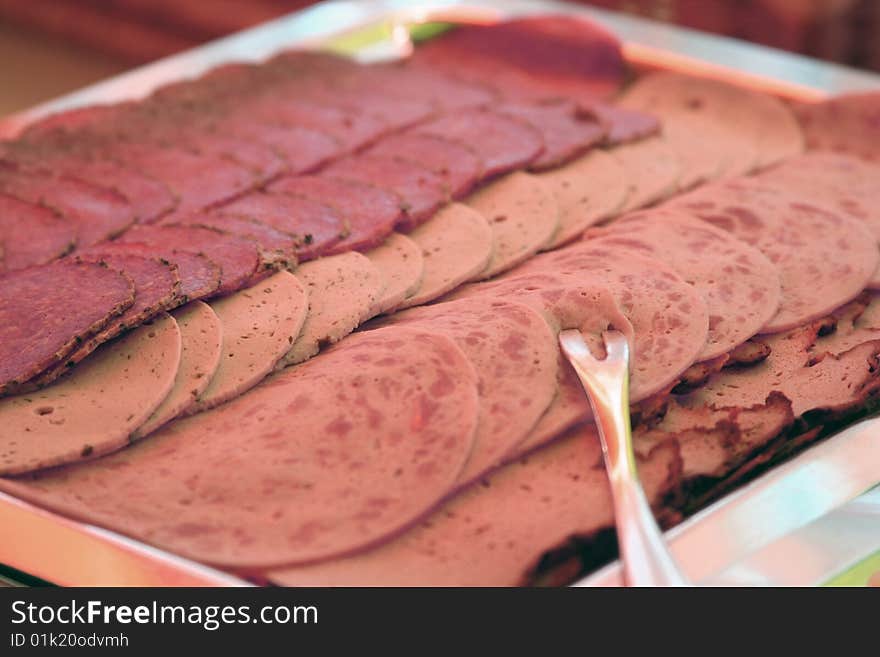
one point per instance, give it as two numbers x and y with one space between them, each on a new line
48 47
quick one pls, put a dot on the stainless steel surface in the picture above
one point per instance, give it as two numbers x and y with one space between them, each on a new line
646 560
781 501
68 552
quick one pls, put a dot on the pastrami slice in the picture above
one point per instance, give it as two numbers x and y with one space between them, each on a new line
314 479
31 234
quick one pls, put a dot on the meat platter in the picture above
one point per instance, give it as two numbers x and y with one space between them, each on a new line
292 318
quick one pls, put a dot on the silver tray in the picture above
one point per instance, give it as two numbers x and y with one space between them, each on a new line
65 552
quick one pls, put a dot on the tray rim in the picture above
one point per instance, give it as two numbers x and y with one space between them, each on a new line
646 43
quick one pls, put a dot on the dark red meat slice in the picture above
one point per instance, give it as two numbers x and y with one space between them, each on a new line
239 259
97 212
566 129
74 119
371 213
31 234
315 226
199 276
421 191
503 142
458 165
46 311
623 125
275 246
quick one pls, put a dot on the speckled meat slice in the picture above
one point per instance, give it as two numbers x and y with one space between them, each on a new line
31 234
279 475
848 124
47 311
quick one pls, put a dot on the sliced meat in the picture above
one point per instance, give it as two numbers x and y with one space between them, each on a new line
47 311
371 213
421 191
93 410
623 125
239 259
566 130
514 352
824 259
199 276
315 480
589 190
201 341
503 142
342 291
740 286
259 326
523 215
459 165
652 168
400 262
456 246
31 234
846 124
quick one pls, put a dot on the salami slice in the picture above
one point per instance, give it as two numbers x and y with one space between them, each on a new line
421 191
459 166
315 226
41 321
523 215
342 291
739 284
514 353
824 259
259 326
315 479
201 341
503 142
456 246
400 262
94 410
566 130
652 169
31 234
589 190
238 258
846 124
371 212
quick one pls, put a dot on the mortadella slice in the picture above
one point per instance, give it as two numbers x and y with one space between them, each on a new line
41 321
402 266
846 124
281 476
94 410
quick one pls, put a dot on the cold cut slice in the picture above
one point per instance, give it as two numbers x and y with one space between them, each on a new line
400 262
652 169
201 341
94 410
623 125
31 234
456 245
846 124
40 322
259 326
281 476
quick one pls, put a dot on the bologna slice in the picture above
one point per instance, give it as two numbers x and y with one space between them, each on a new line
201 341
459 165
31 234
566 129
589 190
846 124
503 142
497 532
523 215
370 213
652 169
400 262
238 258
456 245
94 410
824 259
281 476
260 324
316 226
421 191
739 284
514 352
342 293
47 311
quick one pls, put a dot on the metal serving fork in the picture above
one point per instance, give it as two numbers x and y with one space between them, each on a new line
646 560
